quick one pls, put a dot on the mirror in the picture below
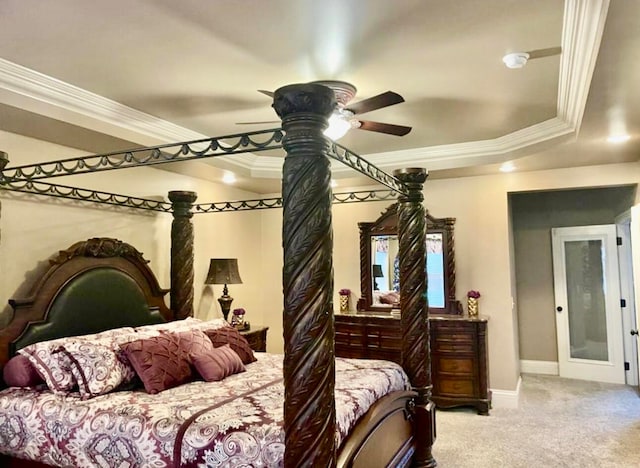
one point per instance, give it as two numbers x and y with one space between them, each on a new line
379 267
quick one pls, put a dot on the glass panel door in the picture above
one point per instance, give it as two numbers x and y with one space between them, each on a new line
587 293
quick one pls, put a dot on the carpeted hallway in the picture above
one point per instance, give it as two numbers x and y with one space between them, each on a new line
560 423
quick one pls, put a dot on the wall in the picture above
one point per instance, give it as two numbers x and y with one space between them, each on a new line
35 228
534 214
484 258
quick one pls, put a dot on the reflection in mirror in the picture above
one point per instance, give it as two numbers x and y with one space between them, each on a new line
386 269
379 264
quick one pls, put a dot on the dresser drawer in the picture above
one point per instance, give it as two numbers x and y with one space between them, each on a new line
449 339
456 387
446 345
457 366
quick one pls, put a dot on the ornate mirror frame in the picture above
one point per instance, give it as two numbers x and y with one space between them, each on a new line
387 224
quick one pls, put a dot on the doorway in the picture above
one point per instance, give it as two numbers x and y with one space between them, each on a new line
533 215
587 297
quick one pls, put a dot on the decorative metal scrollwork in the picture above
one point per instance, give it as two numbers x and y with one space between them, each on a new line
240 205
195 149
266 203
351 159
80 194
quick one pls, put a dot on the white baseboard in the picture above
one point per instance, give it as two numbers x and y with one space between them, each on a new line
539 367
506 398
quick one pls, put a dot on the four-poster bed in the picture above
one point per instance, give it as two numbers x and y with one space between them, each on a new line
400 427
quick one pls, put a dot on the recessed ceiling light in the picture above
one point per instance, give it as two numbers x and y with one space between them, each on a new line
516 60
507 167
229 178
618 138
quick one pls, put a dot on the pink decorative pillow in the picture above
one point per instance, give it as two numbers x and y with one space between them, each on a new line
159 362
218 363
193 342
98 367
235 340
19 372
390 298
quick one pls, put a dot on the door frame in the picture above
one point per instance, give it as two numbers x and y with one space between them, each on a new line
625 261
613 368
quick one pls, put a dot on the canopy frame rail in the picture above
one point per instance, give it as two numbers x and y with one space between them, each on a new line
190 150
86 195
361 165
267 203
108 198
149 156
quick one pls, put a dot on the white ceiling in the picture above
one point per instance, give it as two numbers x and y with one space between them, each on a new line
108 75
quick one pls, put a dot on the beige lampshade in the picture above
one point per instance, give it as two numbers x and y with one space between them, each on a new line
223 271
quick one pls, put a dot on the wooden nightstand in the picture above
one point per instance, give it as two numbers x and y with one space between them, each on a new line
257 338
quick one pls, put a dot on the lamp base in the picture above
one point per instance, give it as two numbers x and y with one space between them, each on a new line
225 304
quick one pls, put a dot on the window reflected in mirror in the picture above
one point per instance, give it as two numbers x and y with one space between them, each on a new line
385 272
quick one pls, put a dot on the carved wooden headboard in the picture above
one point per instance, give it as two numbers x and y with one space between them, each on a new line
92 286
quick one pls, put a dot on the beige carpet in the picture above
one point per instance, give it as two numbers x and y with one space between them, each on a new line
560 423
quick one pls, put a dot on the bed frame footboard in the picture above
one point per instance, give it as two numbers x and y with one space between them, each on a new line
383 437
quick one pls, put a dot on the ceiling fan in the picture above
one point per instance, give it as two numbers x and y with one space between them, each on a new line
344 116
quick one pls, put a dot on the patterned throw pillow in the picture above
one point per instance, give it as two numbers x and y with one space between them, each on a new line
189 323
159 362
235 340
98 367
53 366
218 363
19 372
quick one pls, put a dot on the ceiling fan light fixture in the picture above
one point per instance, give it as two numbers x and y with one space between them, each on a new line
338 127
516 59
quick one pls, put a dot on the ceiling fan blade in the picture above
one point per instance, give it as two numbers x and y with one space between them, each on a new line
266 93
376 102
258 123
398 130
540 53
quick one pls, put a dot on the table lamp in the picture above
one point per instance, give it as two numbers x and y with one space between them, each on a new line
224 271
377 273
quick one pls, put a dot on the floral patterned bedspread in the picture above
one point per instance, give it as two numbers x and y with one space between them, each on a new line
235 422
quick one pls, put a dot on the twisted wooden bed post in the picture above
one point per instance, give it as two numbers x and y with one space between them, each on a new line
309 366
416 358
182 254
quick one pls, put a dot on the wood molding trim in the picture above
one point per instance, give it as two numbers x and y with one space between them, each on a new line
583 26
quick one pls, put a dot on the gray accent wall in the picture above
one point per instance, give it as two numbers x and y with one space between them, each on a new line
533 214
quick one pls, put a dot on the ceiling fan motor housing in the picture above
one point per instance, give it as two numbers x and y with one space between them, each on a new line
344 91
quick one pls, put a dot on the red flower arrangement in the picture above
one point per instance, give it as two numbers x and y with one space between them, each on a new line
345 292
473 294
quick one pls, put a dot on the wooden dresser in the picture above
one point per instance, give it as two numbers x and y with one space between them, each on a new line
257 338
459 368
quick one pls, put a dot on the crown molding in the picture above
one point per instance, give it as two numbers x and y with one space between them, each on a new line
40 93
583 26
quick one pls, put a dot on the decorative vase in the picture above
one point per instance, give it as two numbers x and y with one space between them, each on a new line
344 303
472 306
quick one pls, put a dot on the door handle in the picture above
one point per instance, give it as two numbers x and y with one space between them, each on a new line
634 332
559 309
